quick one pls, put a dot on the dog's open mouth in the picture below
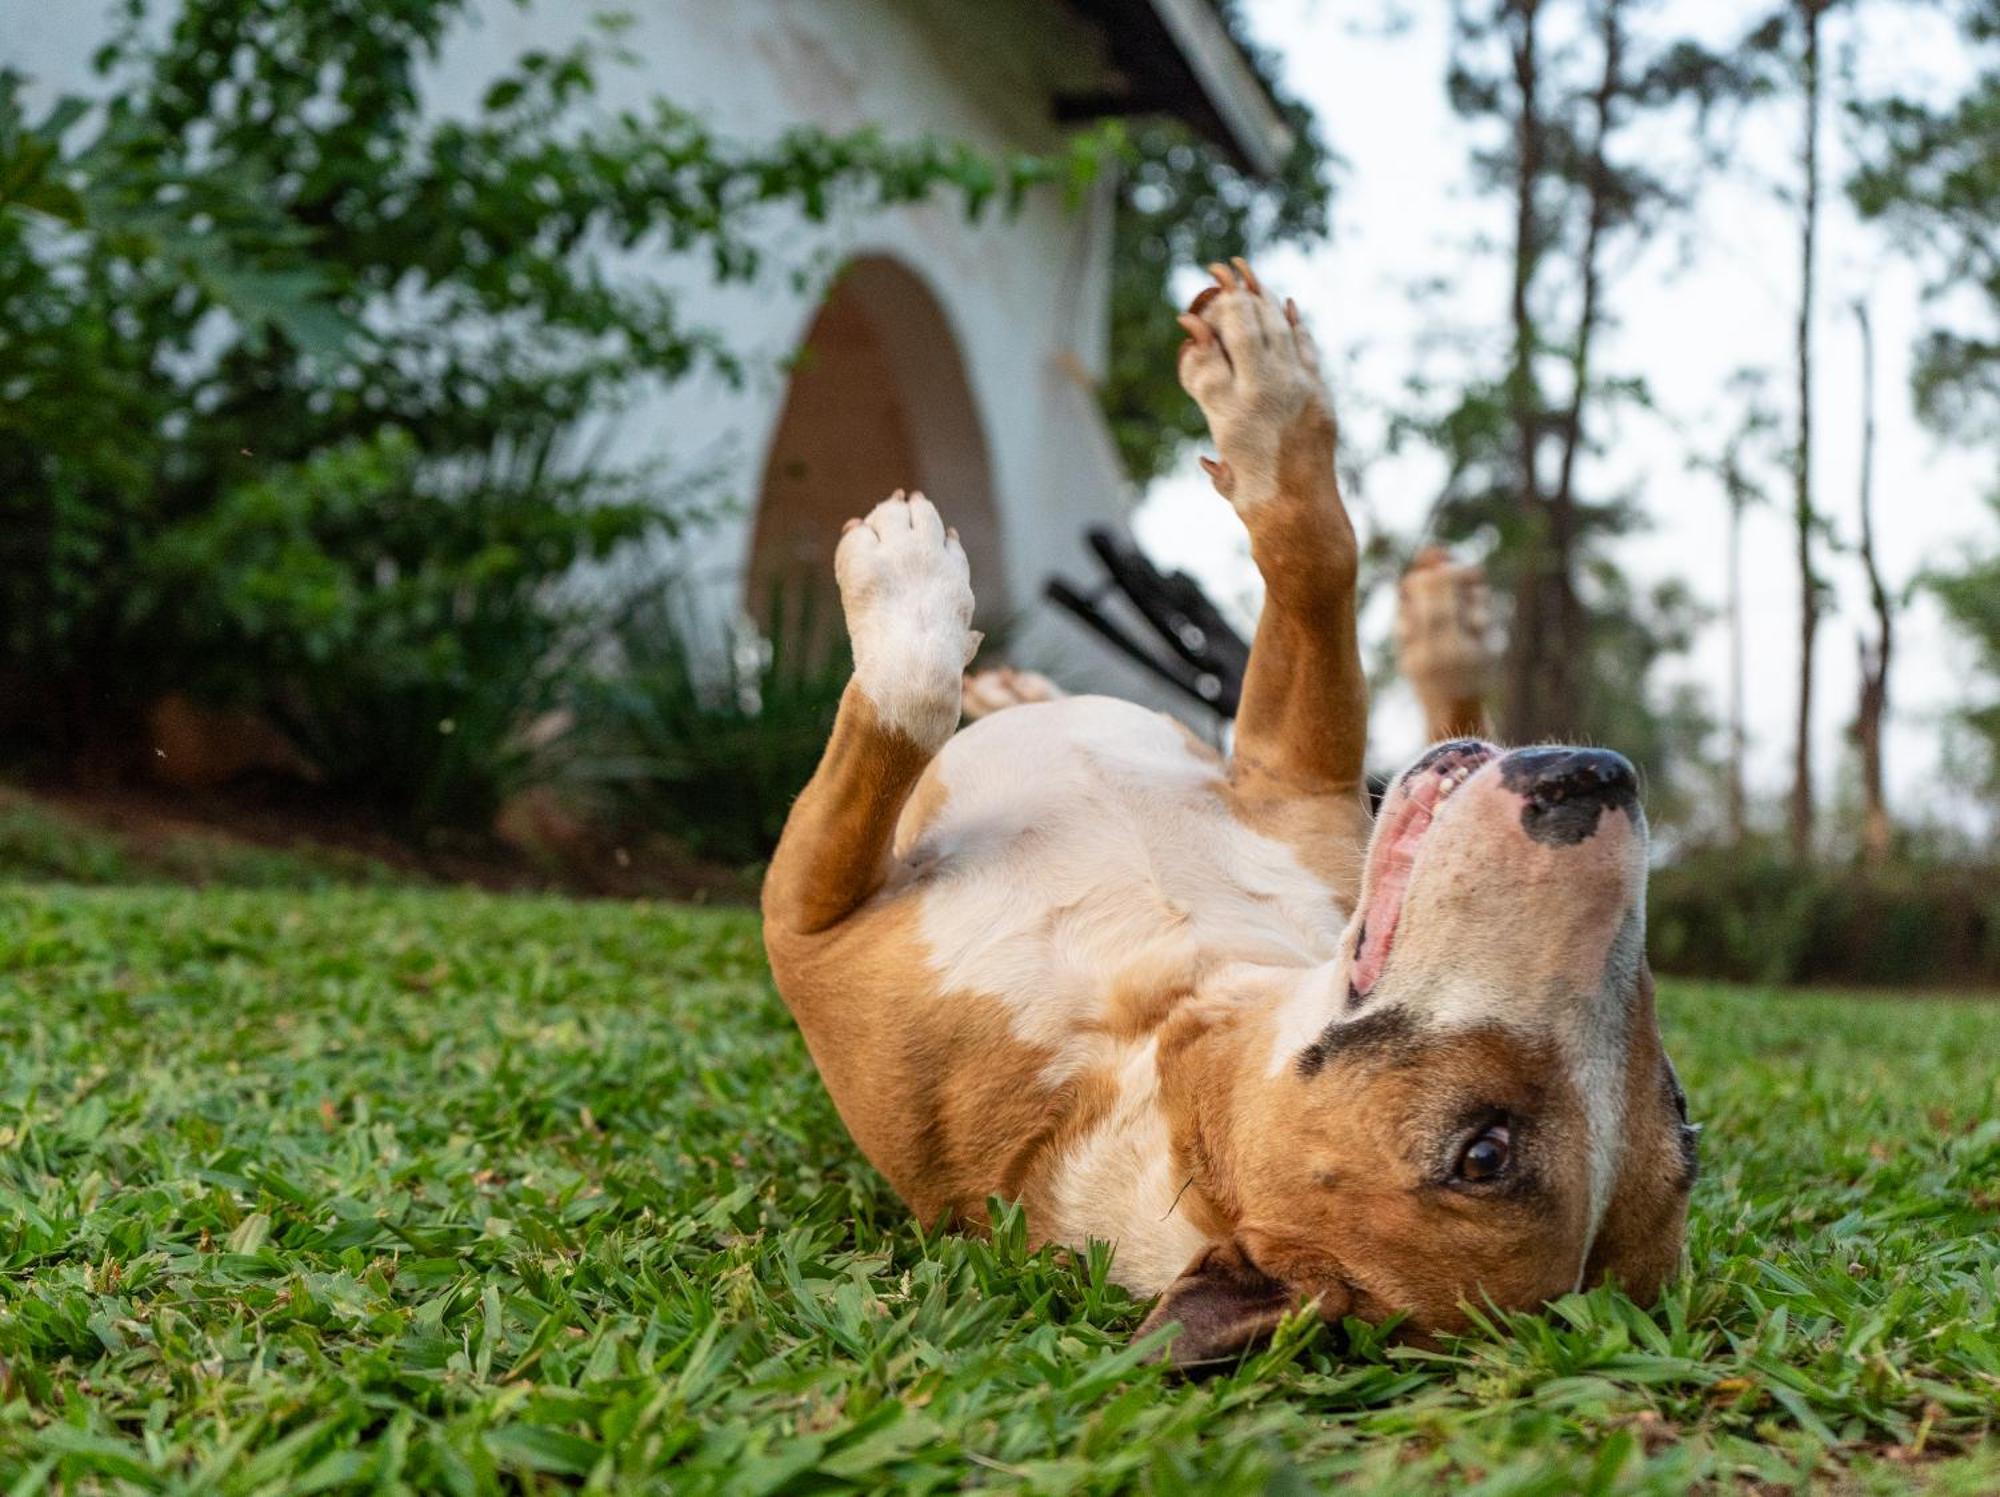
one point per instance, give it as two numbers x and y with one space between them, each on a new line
1407 813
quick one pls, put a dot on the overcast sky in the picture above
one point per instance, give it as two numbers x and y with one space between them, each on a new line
1690 313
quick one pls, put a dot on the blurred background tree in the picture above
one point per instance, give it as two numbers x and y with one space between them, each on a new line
1970 593
1557 92
1933 179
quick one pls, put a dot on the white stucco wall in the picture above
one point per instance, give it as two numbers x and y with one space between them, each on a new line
1026 297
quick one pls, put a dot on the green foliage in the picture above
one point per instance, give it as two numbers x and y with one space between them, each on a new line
1971 599
705 737
263 319
449 1192
1753 914
1182 203
1554 95
1933 175
410 684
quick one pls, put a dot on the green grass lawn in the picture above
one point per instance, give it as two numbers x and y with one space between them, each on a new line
418 1190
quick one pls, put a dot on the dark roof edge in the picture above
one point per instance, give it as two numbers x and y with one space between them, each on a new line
1239 98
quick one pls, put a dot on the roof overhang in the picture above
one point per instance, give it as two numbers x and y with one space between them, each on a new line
1176 57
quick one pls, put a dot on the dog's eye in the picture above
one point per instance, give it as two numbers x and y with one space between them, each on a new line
1487 1156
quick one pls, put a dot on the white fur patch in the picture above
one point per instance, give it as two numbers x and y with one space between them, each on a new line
1084 850
1084 847
1598 1049
1117 1184
907 592
1303 1014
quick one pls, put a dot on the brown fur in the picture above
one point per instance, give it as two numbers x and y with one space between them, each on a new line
1297 769
1322 1181
844 820
1644 1230
1329 1181
947 1109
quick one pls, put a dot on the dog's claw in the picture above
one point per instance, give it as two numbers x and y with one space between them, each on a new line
1252 374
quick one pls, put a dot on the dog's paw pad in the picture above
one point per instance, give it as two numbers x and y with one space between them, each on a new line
906 590
1253 369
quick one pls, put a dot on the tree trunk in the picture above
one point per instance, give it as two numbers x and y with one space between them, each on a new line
1567 640
1737 736
1802 777
1526 719
1875 826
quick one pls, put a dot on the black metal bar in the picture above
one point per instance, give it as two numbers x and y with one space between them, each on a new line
1211 690
1176 607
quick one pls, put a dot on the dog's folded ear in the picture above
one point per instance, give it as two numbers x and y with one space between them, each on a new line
1223 1303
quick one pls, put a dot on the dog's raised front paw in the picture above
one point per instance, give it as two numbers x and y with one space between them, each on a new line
907 593
1253 369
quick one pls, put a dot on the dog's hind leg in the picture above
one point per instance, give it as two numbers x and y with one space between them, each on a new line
988 692
1302 727
907 595
1442 648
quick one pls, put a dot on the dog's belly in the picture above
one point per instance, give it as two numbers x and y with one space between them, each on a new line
1080 861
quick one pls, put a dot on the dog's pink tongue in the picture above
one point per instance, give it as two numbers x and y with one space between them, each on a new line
1394 857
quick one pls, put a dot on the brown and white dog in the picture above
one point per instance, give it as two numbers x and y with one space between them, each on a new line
1208 1012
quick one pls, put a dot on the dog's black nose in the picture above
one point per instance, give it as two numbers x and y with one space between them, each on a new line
1560 774
1567 788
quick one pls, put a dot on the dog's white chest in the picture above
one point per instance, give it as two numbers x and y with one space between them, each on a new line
1083 846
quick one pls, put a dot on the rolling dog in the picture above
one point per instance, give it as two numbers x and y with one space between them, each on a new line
1278 1052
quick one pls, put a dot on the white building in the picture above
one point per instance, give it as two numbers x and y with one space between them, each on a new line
953 356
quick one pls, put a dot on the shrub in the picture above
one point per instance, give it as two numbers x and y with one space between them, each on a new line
290 370
1755 916
1969 591
706 735
401 633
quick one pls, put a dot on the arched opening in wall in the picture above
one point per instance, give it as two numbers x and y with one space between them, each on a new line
878 401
